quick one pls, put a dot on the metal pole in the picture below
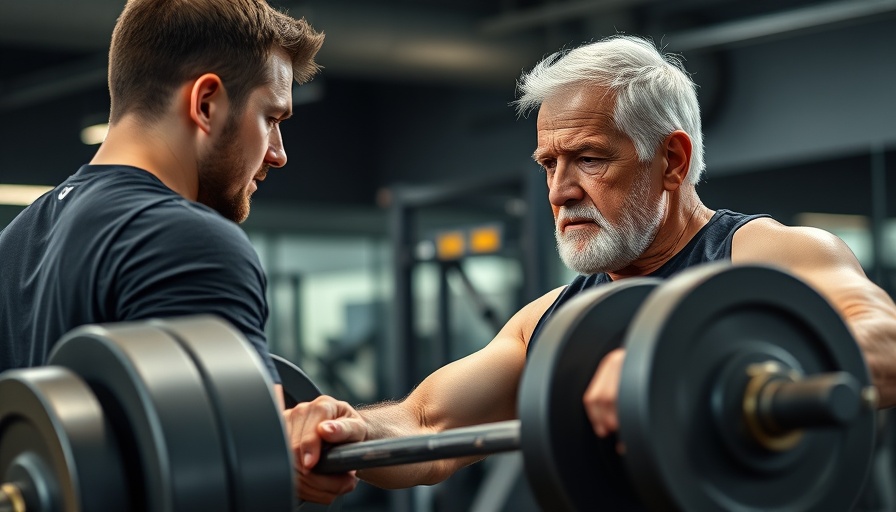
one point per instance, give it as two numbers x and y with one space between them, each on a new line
878 212
401 348
298 347
441 349
484 311
536 244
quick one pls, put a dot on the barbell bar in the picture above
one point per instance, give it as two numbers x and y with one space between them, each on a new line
775 402
716 338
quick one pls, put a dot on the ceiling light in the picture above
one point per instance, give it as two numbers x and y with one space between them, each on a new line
21 195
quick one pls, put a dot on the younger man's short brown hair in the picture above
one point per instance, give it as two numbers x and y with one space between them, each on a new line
159 44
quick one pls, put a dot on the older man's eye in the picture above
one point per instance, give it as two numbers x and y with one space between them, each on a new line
592 165
548 164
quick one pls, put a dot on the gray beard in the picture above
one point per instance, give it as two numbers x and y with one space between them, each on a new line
613 247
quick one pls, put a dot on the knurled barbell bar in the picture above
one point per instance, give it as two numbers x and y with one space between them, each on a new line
717 360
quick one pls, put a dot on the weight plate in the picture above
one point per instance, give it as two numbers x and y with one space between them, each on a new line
56 446
297 385
686 443
241 393
156 400
567 466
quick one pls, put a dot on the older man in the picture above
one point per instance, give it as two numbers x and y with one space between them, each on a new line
620 143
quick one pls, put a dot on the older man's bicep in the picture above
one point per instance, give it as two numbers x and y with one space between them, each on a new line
479 388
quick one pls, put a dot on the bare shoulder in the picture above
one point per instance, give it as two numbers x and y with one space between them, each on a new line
814 255
768 241
523 323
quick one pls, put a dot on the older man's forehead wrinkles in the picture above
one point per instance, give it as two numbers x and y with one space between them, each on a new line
557 143
576 118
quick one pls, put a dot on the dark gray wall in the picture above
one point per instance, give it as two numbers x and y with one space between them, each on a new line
791 101
807 97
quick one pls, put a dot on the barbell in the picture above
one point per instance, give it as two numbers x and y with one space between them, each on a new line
741 389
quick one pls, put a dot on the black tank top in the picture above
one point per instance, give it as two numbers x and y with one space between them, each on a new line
711 243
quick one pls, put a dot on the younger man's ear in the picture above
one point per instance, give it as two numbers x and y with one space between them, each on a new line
208 101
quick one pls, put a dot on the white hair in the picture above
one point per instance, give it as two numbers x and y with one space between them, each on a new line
654 94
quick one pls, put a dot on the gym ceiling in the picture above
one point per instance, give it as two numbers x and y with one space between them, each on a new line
379 54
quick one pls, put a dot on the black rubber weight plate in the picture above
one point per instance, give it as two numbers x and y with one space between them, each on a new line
240 391
567 466
56 445
690 330
156 400
297 386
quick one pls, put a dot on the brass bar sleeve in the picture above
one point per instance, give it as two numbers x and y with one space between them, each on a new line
11 499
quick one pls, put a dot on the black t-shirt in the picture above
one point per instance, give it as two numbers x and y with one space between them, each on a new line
711 243
111 244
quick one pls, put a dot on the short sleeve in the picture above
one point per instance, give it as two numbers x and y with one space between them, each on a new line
182 259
